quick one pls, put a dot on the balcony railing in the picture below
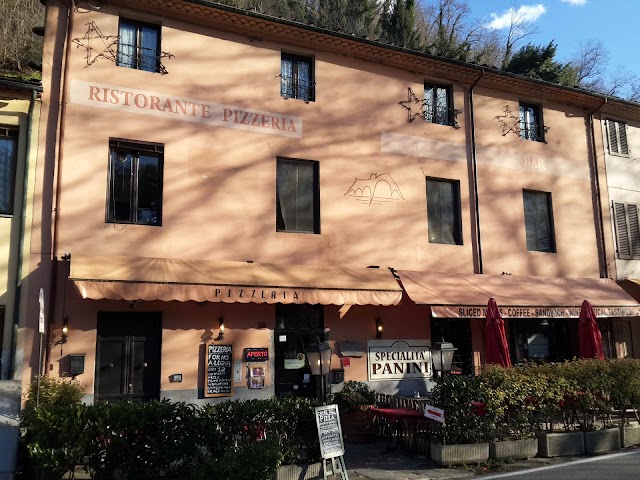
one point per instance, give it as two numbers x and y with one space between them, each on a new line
531 131
140 58
294 87
440 114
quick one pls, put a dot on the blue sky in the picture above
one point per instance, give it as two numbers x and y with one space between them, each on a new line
614 22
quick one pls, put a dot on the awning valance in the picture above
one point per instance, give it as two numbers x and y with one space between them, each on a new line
466 296
168 279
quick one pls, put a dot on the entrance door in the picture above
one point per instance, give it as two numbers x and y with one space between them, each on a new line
458 332
296 327
128 356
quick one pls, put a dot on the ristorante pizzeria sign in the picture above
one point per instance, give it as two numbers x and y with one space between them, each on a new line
467 311
187 109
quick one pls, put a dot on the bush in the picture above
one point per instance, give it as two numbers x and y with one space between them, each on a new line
53 393
354 394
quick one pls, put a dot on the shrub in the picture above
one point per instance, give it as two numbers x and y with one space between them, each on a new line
53 393
354 394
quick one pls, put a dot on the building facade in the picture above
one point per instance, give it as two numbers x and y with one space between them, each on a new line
230 188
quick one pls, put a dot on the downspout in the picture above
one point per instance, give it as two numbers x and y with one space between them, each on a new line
474 168
21 228
58 182
604 270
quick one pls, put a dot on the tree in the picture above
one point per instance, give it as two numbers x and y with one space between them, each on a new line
399 20
539 62
18 44
519 29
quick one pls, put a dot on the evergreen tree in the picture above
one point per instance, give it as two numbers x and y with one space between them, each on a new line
539 62
399 21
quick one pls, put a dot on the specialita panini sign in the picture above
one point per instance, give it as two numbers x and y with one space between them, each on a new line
478 311
398 359
143 102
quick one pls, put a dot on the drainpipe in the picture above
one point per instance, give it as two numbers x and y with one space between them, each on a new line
604 270
58 182
474 168
21 227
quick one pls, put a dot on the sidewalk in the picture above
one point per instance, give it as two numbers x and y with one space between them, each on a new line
370 462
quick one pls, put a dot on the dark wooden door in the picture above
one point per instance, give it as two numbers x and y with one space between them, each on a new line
128 354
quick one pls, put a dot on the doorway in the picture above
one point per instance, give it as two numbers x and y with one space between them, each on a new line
128 353
296 327
458 332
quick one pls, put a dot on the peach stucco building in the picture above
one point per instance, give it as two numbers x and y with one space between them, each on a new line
219 168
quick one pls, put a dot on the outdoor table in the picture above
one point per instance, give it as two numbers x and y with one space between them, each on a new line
405 421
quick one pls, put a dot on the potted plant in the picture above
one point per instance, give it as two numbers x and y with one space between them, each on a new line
354 402
463 437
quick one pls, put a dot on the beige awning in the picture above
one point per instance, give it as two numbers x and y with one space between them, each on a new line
466 296
168 279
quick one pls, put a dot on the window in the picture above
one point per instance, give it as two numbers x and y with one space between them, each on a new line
8 148
443 212
531 122
437 107
627 230
617 137
135 183
538 221
296 77
139 46
297 196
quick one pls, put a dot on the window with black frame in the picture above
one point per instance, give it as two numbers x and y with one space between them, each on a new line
443 211
139 46
297 77
531 122
135 183
8 151
297 196
438 104
538 221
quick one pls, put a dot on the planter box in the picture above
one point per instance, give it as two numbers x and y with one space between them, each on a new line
630 436
560 444
461 454
299 472
515 449
599 441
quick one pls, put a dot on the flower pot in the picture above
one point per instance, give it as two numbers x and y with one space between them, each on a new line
606 440
560 444
357 425
299 472
630 435
460 454
514 449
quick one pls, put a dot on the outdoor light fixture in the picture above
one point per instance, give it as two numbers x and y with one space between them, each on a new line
442 356
379 327
221 333
65 330
319 358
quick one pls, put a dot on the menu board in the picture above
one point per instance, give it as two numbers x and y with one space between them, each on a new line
218 370
329 431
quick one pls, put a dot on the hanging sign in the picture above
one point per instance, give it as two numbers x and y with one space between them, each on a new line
329 431
256 354
218 370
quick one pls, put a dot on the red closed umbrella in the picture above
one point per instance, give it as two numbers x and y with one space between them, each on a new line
589 333
496 348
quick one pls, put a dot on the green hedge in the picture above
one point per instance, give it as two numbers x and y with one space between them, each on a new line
227 441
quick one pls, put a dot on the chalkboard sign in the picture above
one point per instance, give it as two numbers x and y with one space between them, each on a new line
329 431
218 370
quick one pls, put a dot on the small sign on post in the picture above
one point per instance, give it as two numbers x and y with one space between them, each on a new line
41 314
331 444
434 413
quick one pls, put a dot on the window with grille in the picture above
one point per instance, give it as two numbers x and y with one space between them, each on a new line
297 196
627 230
297 77
139 46
8 150
617 137
135 183
538 221
443 212
531 127
438 104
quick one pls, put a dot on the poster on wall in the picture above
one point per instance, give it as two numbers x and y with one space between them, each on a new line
256 376
398 359
218 370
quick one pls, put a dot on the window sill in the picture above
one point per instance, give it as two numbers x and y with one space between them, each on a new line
124 224
298 232
541 251
621 155
6 215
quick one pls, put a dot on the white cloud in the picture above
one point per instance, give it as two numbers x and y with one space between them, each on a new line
575 2
524 14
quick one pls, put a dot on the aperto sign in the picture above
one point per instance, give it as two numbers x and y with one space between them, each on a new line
256 354
398 359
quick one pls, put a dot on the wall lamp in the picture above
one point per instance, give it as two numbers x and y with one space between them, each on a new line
221 332
65 330
379 327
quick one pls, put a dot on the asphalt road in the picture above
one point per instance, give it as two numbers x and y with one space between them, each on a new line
617 466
